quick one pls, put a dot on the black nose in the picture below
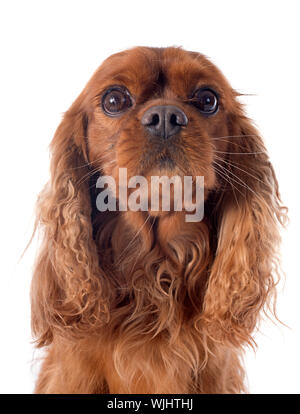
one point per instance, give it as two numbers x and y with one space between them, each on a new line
164 120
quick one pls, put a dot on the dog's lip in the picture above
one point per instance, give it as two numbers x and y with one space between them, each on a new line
166 160
162 160
164 166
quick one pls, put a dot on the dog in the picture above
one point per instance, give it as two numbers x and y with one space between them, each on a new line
140 301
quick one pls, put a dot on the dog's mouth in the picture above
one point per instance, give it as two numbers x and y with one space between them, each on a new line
165 158
165 161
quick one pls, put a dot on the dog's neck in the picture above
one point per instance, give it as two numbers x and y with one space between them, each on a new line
155 259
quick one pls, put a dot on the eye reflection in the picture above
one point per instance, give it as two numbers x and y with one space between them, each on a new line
206 100
116 100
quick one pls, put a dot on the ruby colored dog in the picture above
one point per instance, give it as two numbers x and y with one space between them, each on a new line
144 301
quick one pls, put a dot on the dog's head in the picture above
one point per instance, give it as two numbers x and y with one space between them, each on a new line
157 111
160 111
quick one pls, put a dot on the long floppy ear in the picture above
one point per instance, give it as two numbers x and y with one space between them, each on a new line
244 272
66 289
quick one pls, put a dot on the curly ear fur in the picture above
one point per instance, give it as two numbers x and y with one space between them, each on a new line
245 269
66 293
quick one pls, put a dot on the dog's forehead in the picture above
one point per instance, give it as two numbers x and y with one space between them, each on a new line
143 67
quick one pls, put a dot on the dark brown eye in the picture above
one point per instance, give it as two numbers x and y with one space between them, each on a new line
116 100
206 100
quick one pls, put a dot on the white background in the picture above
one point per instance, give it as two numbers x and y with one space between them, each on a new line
49 50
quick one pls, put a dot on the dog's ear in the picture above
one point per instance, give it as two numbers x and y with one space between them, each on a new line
66 288
248 213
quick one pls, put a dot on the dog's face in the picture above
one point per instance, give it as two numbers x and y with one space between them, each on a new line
158 112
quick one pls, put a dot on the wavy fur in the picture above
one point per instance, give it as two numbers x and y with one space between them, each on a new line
130 303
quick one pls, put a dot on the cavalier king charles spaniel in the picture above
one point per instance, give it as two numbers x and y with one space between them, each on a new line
144 301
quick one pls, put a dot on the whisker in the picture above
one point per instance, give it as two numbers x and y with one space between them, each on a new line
240 181
227 179
235 136
241 169
132 240
238 144
246 186
241 153
85 165
235 162
151 227
86 176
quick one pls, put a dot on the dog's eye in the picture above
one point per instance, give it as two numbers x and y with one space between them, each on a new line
116 100
206 100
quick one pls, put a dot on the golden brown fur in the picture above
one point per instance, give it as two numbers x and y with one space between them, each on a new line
129 302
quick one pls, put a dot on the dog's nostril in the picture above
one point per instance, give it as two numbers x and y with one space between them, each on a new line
178 118
155 120
173 120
